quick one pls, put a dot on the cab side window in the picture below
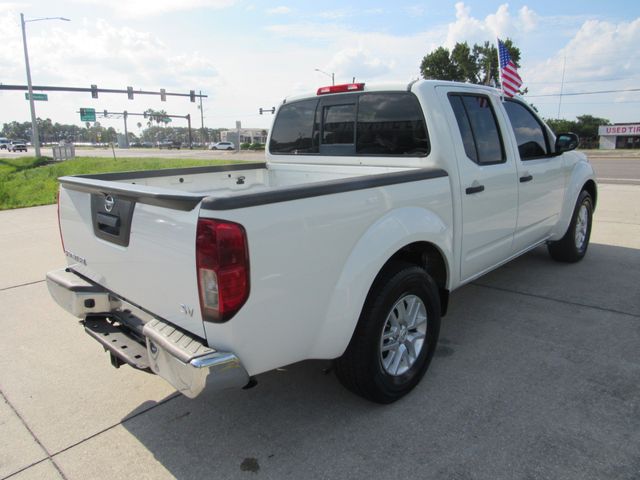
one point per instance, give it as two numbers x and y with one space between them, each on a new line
478 127
529 132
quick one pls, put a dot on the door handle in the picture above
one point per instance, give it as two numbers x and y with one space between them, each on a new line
476 189
526 178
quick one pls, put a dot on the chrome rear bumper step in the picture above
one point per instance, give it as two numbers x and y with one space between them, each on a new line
145 342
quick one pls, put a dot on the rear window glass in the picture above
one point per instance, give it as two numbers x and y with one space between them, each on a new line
294 127
338 124
377 123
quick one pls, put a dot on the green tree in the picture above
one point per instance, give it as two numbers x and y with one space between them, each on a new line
587 126
438 65
464 61
477 64
156 116
561 125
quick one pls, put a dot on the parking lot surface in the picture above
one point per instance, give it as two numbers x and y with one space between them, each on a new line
537 376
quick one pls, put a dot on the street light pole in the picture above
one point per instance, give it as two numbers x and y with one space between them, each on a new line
35 139
34 124
332 75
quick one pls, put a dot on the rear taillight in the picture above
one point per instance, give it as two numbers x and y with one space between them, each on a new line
222 262
60 226
345 87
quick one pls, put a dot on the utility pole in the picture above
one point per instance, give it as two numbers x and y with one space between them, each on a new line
188 117
34 123
35 139
202 118
126 134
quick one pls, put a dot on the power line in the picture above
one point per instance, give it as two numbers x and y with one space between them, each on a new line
614 79
584 93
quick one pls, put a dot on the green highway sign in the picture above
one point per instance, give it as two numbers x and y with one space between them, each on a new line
88 114
37 96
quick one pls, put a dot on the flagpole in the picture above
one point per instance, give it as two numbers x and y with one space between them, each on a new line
564 64
499 70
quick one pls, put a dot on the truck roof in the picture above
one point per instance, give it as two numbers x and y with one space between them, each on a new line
400 87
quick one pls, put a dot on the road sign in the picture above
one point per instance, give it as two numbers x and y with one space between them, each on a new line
87 114
43 97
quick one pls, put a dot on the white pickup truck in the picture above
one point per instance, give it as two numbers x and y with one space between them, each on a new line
374 203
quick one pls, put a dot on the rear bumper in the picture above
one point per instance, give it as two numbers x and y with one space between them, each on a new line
143 341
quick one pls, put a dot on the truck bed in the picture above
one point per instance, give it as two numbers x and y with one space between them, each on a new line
237 186
134 233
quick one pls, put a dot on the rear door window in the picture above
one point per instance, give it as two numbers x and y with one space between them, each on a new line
478 128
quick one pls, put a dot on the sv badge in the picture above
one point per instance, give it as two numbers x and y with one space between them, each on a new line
186 310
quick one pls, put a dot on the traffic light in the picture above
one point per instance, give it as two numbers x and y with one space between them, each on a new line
82 112
130 93
106 113
94 91
163 95
192 95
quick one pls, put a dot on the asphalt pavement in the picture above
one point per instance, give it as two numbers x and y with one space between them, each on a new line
616 169
537 376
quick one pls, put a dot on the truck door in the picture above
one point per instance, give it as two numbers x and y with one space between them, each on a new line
487 175
540 174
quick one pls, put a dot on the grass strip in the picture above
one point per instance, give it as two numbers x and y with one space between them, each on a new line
27 181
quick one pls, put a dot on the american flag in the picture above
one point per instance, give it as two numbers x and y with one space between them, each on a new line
511 81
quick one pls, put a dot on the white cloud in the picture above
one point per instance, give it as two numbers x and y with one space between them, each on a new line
360 63
499 24
600 50
281 10
528 18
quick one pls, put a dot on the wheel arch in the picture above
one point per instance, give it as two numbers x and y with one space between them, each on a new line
412 234
426 255
582 178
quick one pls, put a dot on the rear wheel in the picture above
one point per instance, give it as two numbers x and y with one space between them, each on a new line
396 335
573 246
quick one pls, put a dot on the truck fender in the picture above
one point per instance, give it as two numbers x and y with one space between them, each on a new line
377 245
581 173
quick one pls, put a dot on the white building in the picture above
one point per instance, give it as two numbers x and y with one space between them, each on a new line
619 135
247 135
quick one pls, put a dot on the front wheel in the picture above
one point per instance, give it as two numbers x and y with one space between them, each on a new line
573 246
395 337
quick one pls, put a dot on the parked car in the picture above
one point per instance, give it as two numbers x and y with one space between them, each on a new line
222 146
170 144
4 143
344 245
17 146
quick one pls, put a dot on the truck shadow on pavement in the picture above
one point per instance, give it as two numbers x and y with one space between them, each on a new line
536 375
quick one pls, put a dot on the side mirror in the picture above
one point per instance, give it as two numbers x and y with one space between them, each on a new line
566 142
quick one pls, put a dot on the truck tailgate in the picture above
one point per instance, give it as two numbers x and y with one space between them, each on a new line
140 248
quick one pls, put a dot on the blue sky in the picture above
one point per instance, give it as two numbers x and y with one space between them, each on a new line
248 54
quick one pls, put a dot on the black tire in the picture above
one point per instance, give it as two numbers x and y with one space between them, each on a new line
568 248
360 368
